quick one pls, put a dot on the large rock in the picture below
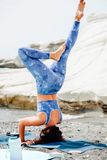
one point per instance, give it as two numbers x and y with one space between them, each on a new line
8 63
86 77
85 85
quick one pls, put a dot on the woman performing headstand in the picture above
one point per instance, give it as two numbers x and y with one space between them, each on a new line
49 80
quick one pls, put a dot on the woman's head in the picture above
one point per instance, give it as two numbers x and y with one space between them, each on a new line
50 134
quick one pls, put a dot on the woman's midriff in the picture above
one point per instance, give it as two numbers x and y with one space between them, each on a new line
46 97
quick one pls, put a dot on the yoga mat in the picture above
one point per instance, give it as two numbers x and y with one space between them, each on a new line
4 138
81 146
68 146
27 155
71 146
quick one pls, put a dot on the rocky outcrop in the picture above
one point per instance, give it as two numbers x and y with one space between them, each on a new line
18 101
29 102
86 77
7 63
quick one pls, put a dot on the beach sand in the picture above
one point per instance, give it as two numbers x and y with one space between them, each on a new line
91 126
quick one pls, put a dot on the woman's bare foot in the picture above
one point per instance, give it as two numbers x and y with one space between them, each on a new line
56 55
80 10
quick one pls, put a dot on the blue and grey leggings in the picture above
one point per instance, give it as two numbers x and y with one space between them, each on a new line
49 80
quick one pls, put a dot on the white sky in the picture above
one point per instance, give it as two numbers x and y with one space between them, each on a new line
23 22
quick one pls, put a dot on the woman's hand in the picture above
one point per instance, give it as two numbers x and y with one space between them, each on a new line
28 142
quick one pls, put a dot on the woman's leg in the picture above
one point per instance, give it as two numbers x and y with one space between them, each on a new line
34 53
60 66
30 58
35 66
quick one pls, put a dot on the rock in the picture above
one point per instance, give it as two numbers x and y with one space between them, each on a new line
19 102
9 63
18 62
104 107
51 46
86 77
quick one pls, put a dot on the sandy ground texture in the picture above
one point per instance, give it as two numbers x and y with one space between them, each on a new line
91 126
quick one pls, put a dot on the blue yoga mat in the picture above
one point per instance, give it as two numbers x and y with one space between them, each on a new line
71 146
68 146
4 138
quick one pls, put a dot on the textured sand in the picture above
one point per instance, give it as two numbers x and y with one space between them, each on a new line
91 126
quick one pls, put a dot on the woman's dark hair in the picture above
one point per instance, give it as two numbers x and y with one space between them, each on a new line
50 134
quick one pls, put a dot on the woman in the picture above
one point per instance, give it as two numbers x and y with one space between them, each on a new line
49 80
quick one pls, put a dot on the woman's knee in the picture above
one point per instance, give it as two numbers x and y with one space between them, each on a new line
22 54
